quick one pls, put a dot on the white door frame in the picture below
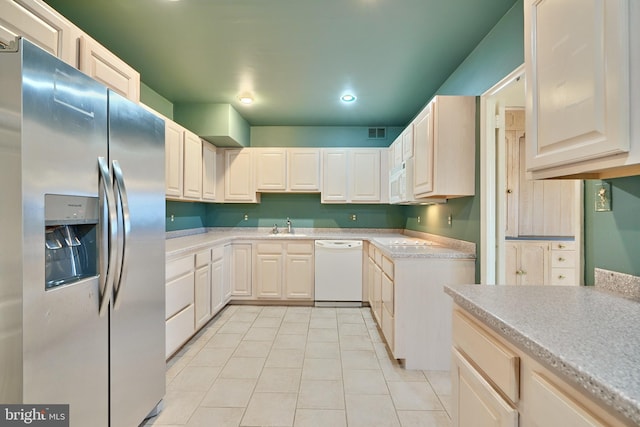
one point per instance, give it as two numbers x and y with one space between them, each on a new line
492 202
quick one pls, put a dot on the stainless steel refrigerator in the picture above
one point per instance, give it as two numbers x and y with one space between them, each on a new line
81 245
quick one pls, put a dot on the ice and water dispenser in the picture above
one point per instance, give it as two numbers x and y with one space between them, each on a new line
71 239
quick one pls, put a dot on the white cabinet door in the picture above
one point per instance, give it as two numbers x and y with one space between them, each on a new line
240 271
238 182
217 285
397 150
174 155
577 80
202 296
364 175
208 171
299 271
423 151
99 63
268 276
226 275
527 262
407 142
41 25
303 169
334 176
271 169
192 166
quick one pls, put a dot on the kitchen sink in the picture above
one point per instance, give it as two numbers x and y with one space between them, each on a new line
286 235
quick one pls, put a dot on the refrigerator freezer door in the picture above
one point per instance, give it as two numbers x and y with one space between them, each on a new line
63 132
137 335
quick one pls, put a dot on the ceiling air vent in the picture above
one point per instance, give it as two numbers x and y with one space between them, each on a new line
377 133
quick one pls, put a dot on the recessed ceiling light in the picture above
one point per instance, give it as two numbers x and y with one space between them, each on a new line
246 99
348 98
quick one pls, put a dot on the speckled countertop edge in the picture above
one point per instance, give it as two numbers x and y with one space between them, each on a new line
616 385
179 243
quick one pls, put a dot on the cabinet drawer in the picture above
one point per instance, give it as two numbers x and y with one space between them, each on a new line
179 294
217 253
203 258
377 256
302 248
498 363
269 248
566 259
179 329
387 267
563 276
372 250
563 246
178 267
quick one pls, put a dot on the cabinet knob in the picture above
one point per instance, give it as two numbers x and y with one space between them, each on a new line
509 191
561 246
561 277
561 259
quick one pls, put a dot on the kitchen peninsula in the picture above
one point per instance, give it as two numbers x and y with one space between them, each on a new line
551 356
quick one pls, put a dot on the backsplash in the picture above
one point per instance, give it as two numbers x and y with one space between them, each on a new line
625 285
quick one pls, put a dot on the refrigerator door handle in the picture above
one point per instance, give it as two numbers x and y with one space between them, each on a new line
123 201
106 284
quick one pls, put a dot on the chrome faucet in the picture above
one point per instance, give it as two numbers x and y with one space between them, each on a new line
288 225
274 230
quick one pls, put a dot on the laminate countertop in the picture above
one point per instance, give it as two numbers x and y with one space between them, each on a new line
441 247
589 336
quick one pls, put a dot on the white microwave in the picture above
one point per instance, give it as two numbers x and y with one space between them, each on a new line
401 186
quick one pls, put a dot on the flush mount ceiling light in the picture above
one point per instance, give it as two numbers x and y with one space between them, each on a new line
348 98
246 99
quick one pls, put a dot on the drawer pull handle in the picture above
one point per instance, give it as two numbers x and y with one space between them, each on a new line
561 259
561 277
561 246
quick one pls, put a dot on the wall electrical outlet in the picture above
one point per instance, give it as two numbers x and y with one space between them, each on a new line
419 219
172 218
246 217
354 217
449 220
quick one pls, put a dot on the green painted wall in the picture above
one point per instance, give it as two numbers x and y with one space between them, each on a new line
612 239
185 215
305 210
497 55
319 136
156 101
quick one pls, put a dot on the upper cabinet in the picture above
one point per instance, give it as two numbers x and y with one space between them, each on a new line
45 27
444 141
237 176
281 169
174 159
192 166
354 175
98 62
582 63
41 25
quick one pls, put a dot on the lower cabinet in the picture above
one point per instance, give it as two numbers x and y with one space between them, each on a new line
180 302
240 271
284 270
497 384
542 262
195 292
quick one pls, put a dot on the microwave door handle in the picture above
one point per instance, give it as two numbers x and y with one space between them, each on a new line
106 279
122 199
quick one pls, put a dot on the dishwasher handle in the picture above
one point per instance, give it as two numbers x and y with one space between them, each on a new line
338 244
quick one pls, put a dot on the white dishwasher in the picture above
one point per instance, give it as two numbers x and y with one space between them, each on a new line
338 272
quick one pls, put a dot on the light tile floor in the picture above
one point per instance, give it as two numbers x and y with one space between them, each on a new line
297 366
